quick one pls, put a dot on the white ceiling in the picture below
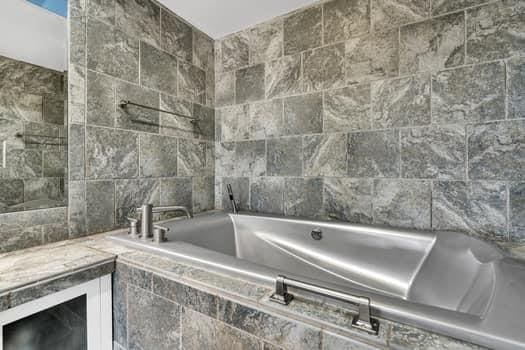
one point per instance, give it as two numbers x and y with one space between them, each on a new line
218 18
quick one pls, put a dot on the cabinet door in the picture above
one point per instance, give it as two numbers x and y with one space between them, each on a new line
78 318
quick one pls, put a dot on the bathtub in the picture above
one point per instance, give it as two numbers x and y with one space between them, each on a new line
444 282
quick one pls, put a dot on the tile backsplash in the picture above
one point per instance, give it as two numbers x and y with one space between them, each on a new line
405 114
121 158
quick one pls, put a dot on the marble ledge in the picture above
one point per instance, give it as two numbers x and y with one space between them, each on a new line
32 273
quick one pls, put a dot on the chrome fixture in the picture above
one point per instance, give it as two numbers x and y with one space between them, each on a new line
124 103
232 199
317 234
147 211
159 234
361 321
133 227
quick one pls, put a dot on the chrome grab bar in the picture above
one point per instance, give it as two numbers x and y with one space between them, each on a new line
362 320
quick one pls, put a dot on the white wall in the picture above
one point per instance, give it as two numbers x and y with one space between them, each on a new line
32 34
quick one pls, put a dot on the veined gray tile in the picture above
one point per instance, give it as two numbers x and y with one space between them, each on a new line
203 51
234 51
475 207
131 194
348 199
111 51
373 154
77 209
139 19
120 312
176 191
234 123
43 188
192 82
444 6
225 89
283 77
284 332
415 196
332 341
205 124
24 164
136 118
76 103
77 40
266 195
282 158
158 156
344 19
470 94
100 100
53 109
432 45
401 102
437 152
517 211
250 158
516 87
303 197
172 125
496 151
393 13
103 10
158 70
266 119
303 30
176 36
54 163
76 152
145 313
372 57
323 68
347 109
249 84
186 296
194 158
266 42
202 332
100 206
303 114
325 155
11 193
225 159
111 153
405 338
495 31
241 192
203 194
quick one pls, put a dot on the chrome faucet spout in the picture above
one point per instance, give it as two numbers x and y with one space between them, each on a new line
147 211
173 208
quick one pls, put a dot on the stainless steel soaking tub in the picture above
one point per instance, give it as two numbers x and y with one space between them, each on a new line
445 282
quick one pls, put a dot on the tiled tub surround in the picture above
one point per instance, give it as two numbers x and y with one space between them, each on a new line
163 304
400 113
122 158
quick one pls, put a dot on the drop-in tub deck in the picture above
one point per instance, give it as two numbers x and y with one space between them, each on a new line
445 282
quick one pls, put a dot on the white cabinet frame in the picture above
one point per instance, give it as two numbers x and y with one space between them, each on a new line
99 312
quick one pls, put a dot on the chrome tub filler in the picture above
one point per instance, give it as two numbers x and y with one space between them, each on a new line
444 282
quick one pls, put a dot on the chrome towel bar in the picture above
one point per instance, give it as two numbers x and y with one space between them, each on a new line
362 320
125 103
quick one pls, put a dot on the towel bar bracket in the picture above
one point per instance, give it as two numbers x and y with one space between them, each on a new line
361 321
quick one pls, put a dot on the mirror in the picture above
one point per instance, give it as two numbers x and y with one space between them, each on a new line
33 101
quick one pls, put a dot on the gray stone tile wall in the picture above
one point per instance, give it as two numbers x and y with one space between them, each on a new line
399 113
152 311
122 158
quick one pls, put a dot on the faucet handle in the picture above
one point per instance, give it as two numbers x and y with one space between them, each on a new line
159 233
133 227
